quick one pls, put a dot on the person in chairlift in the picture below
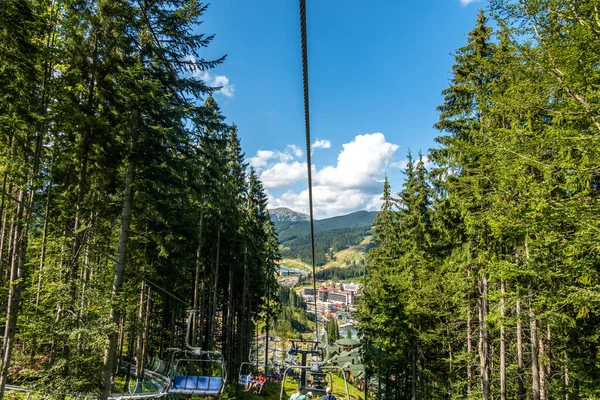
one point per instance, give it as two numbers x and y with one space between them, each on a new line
298 395
328 395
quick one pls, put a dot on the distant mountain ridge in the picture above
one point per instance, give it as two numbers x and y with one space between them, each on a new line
331 234
281 214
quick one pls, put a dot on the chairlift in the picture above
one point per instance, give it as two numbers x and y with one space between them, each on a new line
196 371
245 369
315 368
310 348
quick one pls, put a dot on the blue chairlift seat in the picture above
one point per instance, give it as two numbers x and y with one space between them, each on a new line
243 380
201 385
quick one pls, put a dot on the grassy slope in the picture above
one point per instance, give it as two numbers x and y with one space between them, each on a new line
273 391
341 257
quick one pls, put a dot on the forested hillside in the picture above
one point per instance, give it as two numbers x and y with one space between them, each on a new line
486 280
124 197
331 235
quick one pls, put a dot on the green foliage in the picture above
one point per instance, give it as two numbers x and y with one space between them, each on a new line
337 274
98 97
497 241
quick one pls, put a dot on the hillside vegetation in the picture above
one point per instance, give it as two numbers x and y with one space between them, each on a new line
346 234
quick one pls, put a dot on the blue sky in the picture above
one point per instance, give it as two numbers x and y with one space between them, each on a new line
376 73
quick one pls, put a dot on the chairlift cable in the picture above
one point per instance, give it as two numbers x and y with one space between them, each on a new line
304 43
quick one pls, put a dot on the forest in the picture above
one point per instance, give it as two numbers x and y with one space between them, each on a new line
336 274
326 244
125 199
485 284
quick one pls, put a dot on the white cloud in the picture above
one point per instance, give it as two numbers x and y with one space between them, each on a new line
226 89
262 157
283 174
360 163
320 144
354 183
327 201
467 2
295 150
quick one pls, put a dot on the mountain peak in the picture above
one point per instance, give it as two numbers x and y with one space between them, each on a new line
286 214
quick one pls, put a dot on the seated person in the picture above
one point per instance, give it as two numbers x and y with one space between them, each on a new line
312 385
260 383
298 395
328 395
249 381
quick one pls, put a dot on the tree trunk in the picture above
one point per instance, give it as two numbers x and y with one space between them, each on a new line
502 344
535 369
483 339
244 314
469 343
114 314
267 337
43 249
214 294
17 263
565 389
3 218
197 280
230 331
542 358
520 367
413 385
139 348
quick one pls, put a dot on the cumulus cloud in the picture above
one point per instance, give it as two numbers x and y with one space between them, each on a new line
221 81
327 201
283 174
354 183
295 150
360 163
263 157
320 144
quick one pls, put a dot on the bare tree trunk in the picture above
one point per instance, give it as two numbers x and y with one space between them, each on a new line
3 218
197 279
10 238
545 372
483 339
565 389
520 367
139 352
469 342
121 342
542 358
86 273
502 344
129 356
413 386
214 294
17 263
535 369
146 331
114 314
43 249
230 310
244 314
